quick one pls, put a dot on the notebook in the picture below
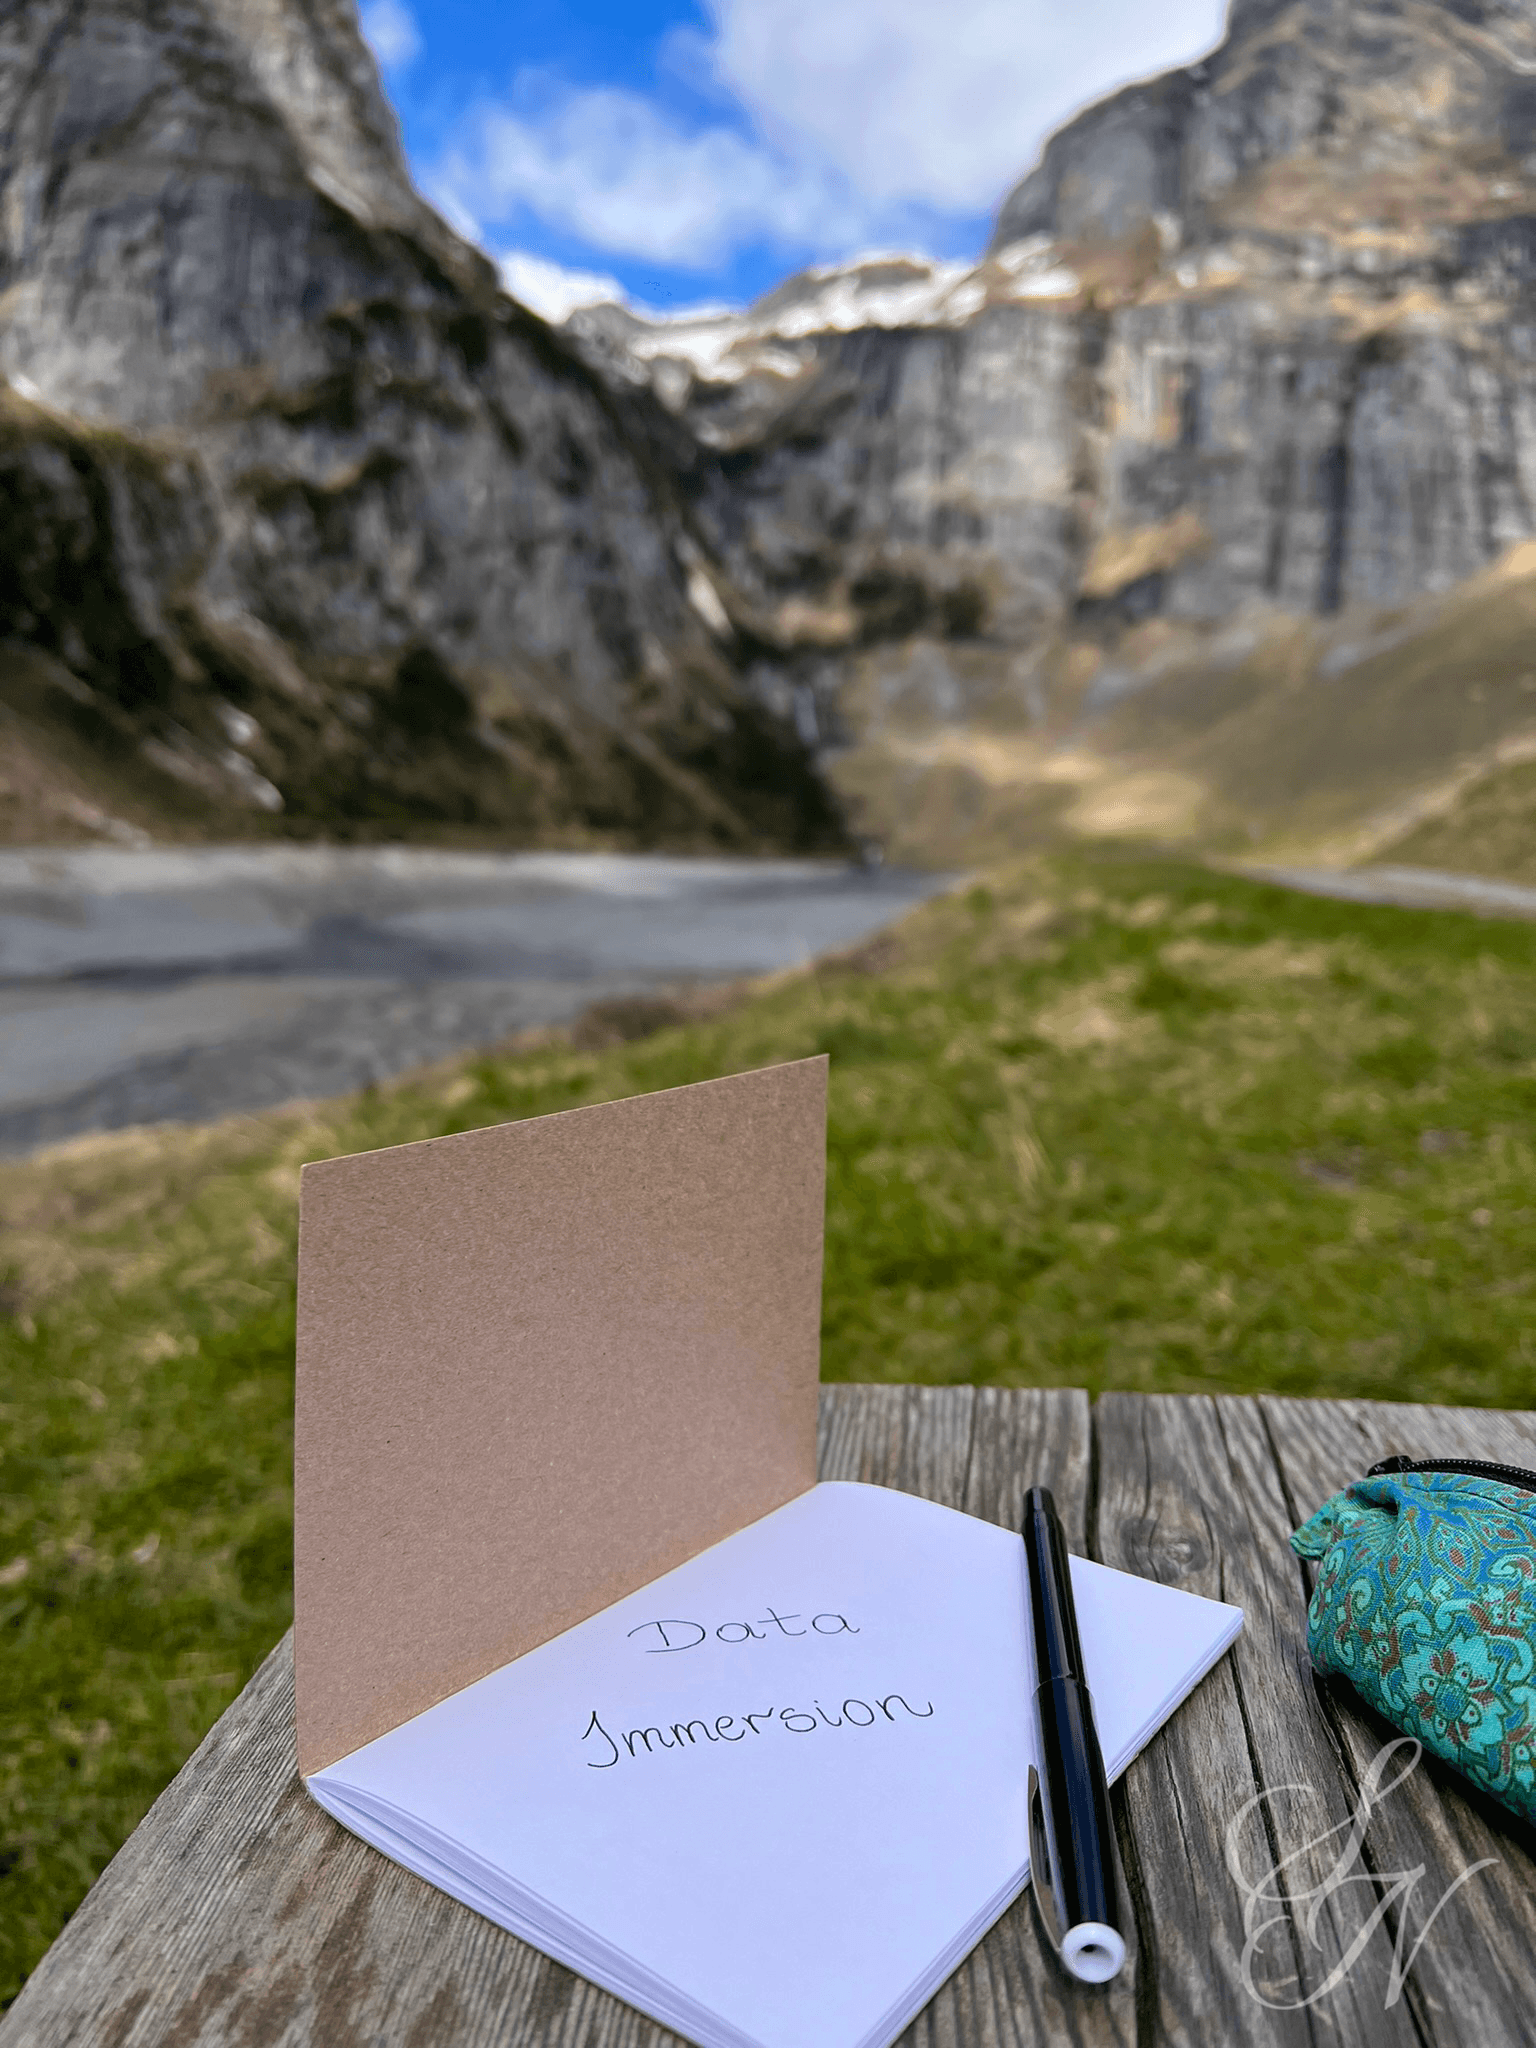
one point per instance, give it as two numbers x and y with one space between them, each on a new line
579 1638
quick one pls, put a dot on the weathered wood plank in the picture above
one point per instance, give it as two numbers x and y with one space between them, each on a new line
1010 1991
1474 1978
978 1449
916 1438
1188 1493
1030 1437
241 1916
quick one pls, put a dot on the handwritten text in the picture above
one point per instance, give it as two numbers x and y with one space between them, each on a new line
608 1750
660 1637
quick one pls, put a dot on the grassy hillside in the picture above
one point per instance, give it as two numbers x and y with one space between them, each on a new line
55 787
1403 735
1110 1122
1337 740
1490 829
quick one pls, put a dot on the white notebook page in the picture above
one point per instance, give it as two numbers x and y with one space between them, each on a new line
787 1779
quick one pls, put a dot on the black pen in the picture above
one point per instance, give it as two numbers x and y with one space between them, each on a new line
1071 1837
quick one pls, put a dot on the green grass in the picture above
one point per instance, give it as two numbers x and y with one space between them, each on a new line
1489 830
1107 1122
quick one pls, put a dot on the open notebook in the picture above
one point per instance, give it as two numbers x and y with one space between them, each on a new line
774 1798
772 1794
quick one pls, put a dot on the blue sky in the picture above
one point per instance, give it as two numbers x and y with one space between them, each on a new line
683 153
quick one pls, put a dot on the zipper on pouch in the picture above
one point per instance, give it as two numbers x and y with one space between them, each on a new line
1470 1468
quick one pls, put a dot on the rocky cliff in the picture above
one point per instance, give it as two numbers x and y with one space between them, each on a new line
1251 354
300 515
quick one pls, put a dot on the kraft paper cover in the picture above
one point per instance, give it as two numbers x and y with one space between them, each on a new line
538 1366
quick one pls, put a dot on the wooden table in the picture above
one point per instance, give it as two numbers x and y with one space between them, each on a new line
240 1914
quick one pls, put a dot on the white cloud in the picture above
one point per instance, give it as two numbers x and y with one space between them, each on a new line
390 31
840 123
552 290
946 105
608 165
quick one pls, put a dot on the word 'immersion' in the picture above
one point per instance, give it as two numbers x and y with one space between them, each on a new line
793 1720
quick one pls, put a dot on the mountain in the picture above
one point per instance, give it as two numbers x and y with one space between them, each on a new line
1198 507
303 522
1113 525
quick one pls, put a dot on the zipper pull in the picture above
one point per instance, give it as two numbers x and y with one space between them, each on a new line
1398 1463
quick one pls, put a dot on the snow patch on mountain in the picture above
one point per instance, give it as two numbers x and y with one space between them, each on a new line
881 290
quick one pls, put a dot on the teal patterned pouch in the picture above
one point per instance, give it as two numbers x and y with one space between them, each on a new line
1426 1603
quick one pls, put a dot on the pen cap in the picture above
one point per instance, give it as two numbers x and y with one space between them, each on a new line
1058 1652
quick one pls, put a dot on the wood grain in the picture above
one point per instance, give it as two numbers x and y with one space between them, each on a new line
1474 1977
1188 1494
240 1916
977 1449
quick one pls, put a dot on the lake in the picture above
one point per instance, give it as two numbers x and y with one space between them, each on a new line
186 982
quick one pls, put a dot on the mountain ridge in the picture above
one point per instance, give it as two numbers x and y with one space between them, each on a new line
312 525
362 537
1286 79
1251 345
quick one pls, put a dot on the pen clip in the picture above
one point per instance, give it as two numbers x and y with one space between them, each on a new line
1041 1877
